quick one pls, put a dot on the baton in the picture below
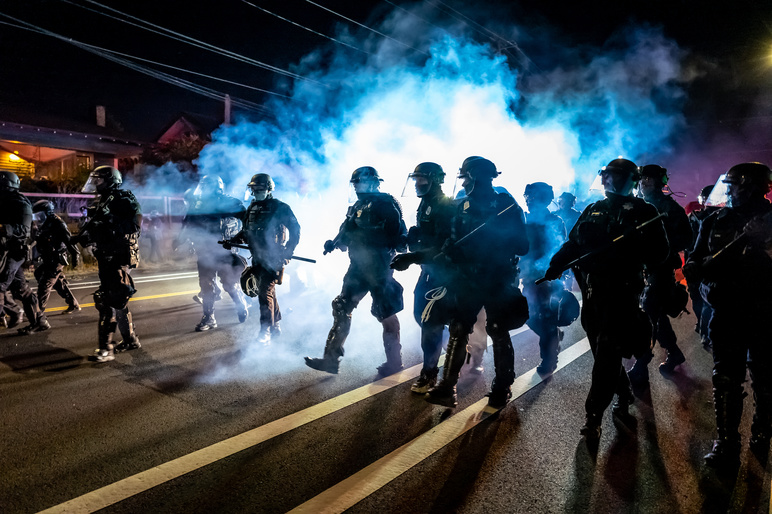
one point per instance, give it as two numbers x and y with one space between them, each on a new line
593 253
245 247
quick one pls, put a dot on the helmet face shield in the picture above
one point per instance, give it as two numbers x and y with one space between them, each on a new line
416 185
39 217
93 184
719 196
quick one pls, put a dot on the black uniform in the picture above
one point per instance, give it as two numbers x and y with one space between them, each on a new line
372 232
611 284
486 277
208 220
546 233
432 304
272 232
569 217
701 309
52 241
15 223
114 227
660 280
738 286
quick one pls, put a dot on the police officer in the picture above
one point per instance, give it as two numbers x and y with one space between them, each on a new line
372 232
272 232
546 233
114 227
213 216
431 301
566 211
611 282
701 309
15 224
732 257
486 276
660 280
53 244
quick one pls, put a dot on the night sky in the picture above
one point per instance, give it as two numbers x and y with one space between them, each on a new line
728 45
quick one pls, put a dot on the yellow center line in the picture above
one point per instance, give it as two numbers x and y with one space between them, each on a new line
146 480
359 486
151 297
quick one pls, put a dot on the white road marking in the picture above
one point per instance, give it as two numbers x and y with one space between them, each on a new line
145 480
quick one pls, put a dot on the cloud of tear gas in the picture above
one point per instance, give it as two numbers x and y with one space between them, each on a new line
397 108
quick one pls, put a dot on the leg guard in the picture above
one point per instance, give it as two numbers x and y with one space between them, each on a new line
126 327
392 346
333 348
444 393
728 402
503 358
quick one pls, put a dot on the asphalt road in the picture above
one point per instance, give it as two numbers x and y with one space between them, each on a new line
210 422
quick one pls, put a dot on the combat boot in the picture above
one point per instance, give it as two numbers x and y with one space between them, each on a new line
426 381
592 429
71 308
264 337
621 406
102 355
333 348
498 398
206 323
128 344
14 319
444 393
725 455
40 326
675 357
392 347
327 364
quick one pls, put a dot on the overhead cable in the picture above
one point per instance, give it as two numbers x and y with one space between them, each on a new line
365 27
162 31
306 28
170 79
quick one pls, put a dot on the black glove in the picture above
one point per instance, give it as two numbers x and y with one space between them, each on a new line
227 245
329 246
403 261
553 273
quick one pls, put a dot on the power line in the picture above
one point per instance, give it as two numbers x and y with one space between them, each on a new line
162 31
365 27
306 28
171 79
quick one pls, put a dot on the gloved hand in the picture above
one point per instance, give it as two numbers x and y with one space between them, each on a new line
329 246
451 251
227 245
413 236
553 273
403 261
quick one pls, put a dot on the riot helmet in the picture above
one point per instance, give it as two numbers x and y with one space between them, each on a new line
260 186
566 201
744 182
103 179
538 194
473 170
364 180
41 210
618 177
653 179
426 177
209 185
704 194
9 181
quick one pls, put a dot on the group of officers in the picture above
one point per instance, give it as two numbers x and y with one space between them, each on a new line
474 250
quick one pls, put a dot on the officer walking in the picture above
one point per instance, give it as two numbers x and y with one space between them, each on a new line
660 280
53 243
611 283
372 232
114 227
213 216
732 257
15 225
431 306
272 232
701 309
486 276
546 234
